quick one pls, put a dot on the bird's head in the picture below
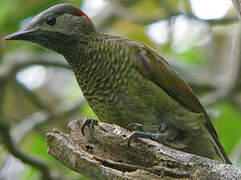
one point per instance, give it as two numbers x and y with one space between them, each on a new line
57 27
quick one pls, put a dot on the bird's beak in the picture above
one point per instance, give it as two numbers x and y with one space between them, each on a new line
21 35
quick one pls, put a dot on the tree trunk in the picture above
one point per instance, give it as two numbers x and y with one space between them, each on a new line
103 154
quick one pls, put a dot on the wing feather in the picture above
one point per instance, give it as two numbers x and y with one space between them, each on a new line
154 67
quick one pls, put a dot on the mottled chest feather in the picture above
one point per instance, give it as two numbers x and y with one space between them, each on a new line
102 69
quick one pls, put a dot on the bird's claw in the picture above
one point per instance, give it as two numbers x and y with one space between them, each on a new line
135 126
130 137
88 122
137 134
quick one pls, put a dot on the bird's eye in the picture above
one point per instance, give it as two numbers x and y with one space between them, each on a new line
51 20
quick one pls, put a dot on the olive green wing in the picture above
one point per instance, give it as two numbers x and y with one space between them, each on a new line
154 67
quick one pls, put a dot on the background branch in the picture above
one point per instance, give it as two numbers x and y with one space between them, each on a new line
27 125
11 139
125 13
14 150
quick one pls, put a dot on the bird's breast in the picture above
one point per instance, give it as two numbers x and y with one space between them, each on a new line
116 91
130 100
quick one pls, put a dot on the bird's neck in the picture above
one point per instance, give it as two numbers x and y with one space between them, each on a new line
84 58
81 54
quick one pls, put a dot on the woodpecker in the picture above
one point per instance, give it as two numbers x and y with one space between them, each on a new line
126 82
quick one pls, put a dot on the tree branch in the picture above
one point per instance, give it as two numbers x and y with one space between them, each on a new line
128 14
103 154
9 144
12 64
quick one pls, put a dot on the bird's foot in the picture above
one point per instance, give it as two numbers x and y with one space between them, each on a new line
135 126
137 134
163 128
88 122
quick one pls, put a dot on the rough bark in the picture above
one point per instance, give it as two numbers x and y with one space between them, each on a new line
103 154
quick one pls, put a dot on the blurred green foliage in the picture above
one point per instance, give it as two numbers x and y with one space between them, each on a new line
228 125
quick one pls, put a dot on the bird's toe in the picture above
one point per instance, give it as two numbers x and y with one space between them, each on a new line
88 122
